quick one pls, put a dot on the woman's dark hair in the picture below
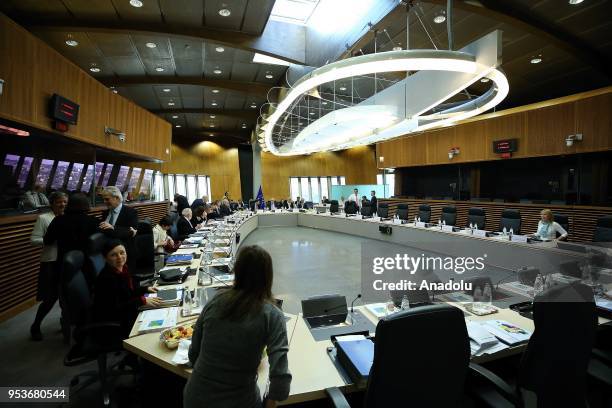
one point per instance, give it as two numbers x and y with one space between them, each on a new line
252 283
199 211
78 203
110 245
165 221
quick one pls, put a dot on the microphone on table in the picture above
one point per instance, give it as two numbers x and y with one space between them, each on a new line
212 275
353 303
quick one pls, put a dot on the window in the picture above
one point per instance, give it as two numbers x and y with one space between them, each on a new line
294 186
387 179
134 178
324 188
191 188
171 190
25 171
158 187
75 176
343 181
180 184
204 187
99 168
312 188
305 190
122 177
11 160
44 171
60 175
88 178
145 185
293 11
107 173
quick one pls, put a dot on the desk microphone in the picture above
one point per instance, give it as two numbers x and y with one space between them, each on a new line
353 303
212 275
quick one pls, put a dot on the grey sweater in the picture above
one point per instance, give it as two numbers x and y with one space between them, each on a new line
226 354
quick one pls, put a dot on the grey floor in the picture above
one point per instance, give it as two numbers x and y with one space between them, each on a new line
305 261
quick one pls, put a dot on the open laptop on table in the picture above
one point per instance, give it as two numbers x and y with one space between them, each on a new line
324 310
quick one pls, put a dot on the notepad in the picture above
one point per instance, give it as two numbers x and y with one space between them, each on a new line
158 319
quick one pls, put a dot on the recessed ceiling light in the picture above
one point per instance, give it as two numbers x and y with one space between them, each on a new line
136 3
166 89
94 69
253 106
397 48
574 2
439 19
312 113
244 125
170 103
217 71
174 116
269 76
211 134
224 12
485 79
219 49
159 69
151 45
212 126
177 126
214 104
536 60
72 43
213 116
323 103
342 88
215 91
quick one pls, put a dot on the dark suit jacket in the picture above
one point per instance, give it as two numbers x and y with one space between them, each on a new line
184 228
225 210
374 203
70 231
198 202
128 217
181 204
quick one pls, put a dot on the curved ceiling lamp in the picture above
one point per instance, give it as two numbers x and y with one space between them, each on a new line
413 104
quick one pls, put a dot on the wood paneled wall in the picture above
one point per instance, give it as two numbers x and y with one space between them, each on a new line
210 159
33 72
582 219
357 165
541 130
21 261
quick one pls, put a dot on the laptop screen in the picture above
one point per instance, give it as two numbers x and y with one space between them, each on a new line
324 305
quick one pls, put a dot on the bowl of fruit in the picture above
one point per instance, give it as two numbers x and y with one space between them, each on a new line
171 337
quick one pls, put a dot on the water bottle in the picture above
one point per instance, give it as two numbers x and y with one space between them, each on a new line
487 294
186 301
390 307
477 294
538 285
405 303
415 219
511 232
504 231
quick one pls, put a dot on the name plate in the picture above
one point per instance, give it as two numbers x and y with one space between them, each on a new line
359 217
295 210
419 224
519 238
397 221
447 228
376 219
480 233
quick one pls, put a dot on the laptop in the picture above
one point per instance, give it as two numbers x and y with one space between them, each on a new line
325 310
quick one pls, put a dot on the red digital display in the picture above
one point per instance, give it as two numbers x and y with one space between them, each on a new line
64 110
505 146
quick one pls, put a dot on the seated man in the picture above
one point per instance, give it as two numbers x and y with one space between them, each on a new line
183 225
35 198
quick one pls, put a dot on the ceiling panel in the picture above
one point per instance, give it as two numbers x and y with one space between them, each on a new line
188 12
234 102
211 66
86 47
166 102
232 22
161 50
151 66
92 9
189 67
192 91
49 8
127 66
142 95
244 71
256 16
166 91
210 52
113 45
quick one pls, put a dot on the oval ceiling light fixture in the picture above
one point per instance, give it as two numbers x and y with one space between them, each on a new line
178 126
397 48
215 91
212 116
575 2
485 79
214 104
170 103
225 12
217 71
166 89
219 49
269 75
536 60
159 69
406 106
136 3
94 68
174 116
151 45
71 42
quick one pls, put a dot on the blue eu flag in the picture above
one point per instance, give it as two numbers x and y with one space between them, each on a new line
260 199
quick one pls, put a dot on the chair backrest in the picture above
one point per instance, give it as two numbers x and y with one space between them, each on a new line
480 199
173 231
333 206
563 220
554 365
477 215
308 205
75 290
366 210
510 218
603 229
94 261
402 211
429 337
145 250
233 206
449 215
383 210
350 207
425 212
558 202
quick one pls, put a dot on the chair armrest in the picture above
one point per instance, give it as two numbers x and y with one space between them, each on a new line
337 398
500 385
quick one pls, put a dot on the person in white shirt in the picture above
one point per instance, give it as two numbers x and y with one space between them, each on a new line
548 228
355 197
160 235
36 198
48 275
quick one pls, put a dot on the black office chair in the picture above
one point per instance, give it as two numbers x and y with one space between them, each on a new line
449 215
234 206
91 339
350 207
425 212
253 205
510 218
525 201
558 202
366 210
334 207
402 211
308 205
480 199
145 261
94 261
563 220
476 216
278 204
383 210
430 337
603 229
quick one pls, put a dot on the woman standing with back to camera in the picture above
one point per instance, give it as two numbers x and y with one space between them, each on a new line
230 336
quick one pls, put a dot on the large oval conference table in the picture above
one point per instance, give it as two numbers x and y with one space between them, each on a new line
311 367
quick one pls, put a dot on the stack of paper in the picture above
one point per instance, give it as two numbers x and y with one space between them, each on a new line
379 310
507 332
481 340
157 319
195 239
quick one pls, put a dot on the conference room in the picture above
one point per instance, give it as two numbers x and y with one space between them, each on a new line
306 203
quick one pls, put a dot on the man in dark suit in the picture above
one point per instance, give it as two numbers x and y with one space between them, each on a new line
181 203
120 222
374 202
198 202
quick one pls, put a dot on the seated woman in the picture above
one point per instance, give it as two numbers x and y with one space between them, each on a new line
161 241
199 216
183 225
548 228
230 336
116 296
